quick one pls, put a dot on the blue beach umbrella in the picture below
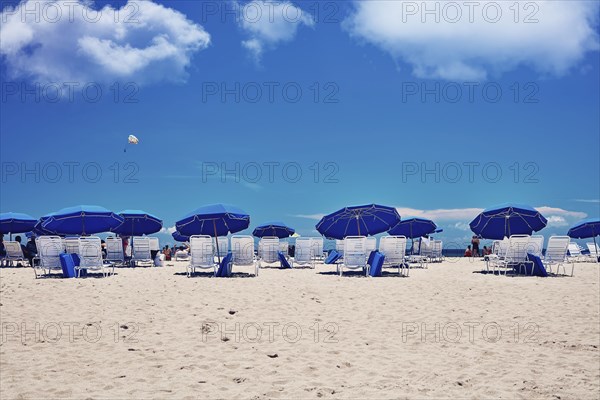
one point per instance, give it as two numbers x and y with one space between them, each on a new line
276 228
82 220
179 237
507 219
587 228
364 220
214 220
413 227
138 223
11 222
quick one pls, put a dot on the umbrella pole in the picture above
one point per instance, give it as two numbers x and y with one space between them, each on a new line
217 240
358 225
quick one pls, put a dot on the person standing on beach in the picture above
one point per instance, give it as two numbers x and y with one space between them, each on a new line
475 243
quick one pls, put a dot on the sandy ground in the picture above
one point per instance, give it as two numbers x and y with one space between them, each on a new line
444 332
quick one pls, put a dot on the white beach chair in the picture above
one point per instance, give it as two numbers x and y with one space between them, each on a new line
202 254
436 251
574 253
394 250
14 253
421 257
317 249
141 252
268 250
556 254
114 250
90 256
355 254
49 250
284 247
303 255
71 245
594 251
242 252
496 259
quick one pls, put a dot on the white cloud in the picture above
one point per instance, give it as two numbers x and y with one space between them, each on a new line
545 210
463 226
587 200
316 217
441 214
168 230
270 23
472 47
71 42
556 220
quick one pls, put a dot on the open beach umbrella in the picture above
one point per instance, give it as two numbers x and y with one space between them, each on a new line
179 237
138 223
214 220
587 228
82 220
39 230
276 228
507 219
11 222
364 220
413 227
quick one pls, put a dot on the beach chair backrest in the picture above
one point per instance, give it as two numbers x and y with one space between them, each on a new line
517 248
71 245
141 248
371 244
242 249
593 248
503 247
13 250
268 249
393 248
202 251
317 247
304 250
223 245
437 248
154 243
49 250
355 251
557 248
114 249
535 245
339 246
90 252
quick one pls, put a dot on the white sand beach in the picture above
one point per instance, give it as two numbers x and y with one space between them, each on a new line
154 333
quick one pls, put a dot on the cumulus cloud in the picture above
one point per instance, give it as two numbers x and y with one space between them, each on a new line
270 23
59 41
168 230
315 217
441 214
546 210
557 220
465 43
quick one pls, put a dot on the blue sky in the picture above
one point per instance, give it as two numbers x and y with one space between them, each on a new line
379 106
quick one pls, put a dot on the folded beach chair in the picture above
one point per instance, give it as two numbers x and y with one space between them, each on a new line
202 254
114 250
535 245
355 254
141 252
71 245
556 254
48 258
268 251
394 250
594 251
317 249
223 246
14 253
242 251
90 256
303 255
